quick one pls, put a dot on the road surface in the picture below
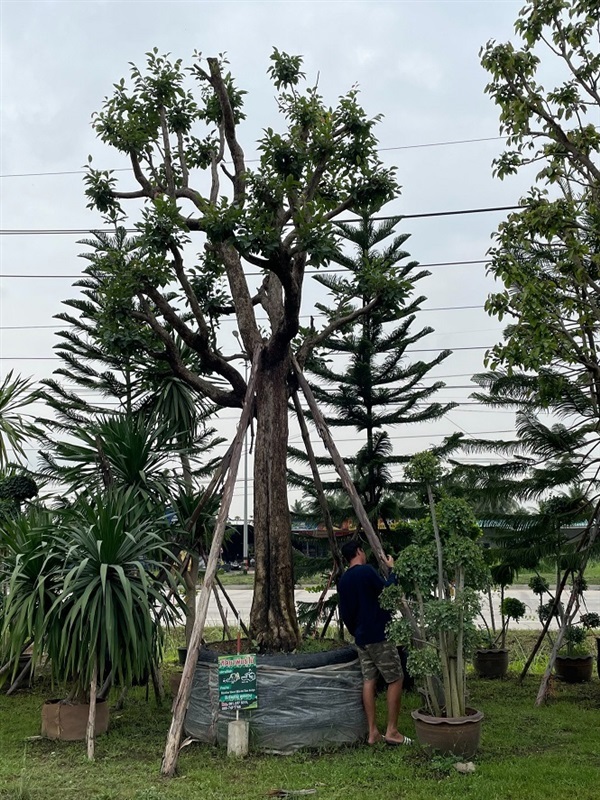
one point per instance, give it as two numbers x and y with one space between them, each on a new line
241 598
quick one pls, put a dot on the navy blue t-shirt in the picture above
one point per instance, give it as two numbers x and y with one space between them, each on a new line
359 589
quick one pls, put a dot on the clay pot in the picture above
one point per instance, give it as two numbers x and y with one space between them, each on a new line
174 681
458 736
68 721
492 663
574 669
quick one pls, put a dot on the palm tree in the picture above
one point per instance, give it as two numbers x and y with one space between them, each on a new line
30 559
554 463
110 589
127 451
87 587
170 403
16 394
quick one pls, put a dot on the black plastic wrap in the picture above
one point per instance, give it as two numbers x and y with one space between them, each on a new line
297 708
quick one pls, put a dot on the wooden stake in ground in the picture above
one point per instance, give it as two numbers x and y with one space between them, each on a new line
348 485
335 550
341 470
180 706
589 539
90 735
338 564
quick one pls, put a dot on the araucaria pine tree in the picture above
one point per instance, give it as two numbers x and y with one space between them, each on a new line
364 373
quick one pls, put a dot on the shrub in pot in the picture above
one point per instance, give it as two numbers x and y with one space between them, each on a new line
491 660
574 662
441 574
30 558
102 569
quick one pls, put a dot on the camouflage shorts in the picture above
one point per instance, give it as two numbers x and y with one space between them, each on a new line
380 657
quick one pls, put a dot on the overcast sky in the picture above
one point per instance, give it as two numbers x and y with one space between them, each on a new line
415 62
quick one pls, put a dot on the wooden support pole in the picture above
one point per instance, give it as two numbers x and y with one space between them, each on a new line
335 550
229 601
21 678
157 683
341 470
566 621
348 485
225 594
11 664
545 626
211 488
90 735
180 705
106 686
222 614
119 705
587 540
586 544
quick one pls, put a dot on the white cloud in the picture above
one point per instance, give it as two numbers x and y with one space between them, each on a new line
419 69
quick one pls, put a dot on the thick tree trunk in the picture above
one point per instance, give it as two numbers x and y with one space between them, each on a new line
273 622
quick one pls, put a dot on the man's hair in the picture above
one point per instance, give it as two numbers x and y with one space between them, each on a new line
350 549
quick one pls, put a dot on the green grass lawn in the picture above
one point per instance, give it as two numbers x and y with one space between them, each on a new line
592 575
526 752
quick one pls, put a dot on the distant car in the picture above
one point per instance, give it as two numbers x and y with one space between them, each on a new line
235 565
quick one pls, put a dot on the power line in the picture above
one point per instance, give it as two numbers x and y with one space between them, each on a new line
233 321
257 274
409 352
255 160
358 439
85 231
28 327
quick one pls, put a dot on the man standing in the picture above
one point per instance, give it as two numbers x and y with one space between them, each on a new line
359 590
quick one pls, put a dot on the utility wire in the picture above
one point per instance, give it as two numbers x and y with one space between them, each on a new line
409 352
85 231
395 438
257 274
261 319
255 160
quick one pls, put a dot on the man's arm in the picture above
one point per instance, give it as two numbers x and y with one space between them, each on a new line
348 609
378 582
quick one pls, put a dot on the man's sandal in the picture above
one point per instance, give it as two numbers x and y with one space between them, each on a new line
393 743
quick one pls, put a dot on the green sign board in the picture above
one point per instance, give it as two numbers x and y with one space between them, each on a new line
237 682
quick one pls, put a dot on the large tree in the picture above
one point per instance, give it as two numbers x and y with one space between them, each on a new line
365 374
547 253
274 218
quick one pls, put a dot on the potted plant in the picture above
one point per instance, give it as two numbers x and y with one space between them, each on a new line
98 604
29 558
491 660
574 662
441 573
